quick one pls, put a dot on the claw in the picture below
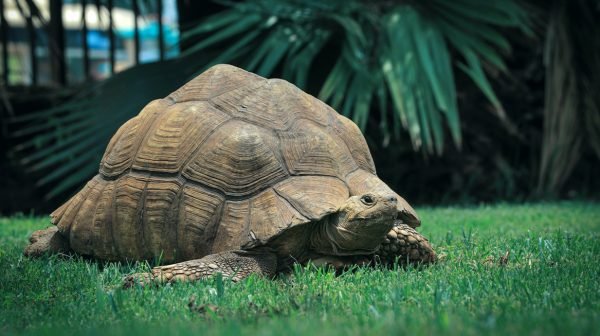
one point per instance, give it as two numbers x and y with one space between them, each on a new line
138 279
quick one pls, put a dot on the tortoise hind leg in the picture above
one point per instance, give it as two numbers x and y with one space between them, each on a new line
235 264
407 245
47 241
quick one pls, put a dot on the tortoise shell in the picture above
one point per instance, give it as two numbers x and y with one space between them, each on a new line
228 161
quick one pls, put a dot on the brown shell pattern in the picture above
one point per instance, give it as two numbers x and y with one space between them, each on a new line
227 161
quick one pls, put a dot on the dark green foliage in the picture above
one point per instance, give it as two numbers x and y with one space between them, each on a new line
572 106
383 50
547 284
394 57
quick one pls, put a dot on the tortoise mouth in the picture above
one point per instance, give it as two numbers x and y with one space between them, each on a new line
408 219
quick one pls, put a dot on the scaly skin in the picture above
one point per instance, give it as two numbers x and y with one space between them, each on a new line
237 265
46 241
407 245
403 243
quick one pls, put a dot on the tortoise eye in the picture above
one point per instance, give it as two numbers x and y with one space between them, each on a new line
368 200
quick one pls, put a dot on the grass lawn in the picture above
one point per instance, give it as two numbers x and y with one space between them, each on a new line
550 284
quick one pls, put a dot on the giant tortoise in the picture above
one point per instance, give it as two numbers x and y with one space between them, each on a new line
237 174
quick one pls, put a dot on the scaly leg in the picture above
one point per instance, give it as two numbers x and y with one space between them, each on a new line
235 264
47 241
407 244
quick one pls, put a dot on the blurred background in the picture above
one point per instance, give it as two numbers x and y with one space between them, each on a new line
461 102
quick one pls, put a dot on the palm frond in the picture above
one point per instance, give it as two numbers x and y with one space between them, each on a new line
74 135
572 107
406 49
395 56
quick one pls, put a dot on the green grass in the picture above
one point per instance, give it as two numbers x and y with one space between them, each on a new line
550 285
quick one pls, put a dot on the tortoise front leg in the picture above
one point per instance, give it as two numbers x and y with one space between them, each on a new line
341 263
235 264
408 245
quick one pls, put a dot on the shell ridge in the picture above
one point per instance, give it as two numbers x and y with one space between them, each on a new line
292 204
142 219
104 241
240 159
145 130
221 108
57 214
339 133
314 196
147 134
247 229
92 228
171 139
179 96
216 223
80 227
283 199
111 145
175 211
310 149
199 209
67 231
113 218
193 155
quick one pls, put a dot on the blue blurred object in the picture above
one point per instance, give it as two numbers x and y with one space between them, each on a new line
97 40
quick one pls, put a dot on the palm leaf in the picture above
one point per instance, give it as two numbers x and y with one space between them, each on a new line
572 107
396 55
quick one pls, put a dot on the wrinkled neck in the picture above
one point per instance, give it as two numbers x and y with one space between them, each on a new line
292 245
330 238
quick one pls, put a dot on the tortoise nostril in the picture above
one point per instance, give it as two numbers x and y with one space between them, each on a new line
392 199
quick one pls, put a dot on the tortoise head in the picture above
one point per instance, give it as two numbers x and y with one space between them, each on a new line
358 227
